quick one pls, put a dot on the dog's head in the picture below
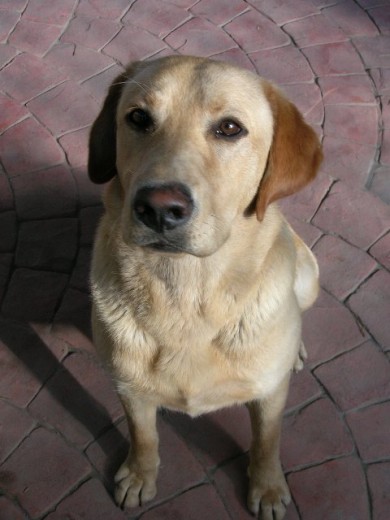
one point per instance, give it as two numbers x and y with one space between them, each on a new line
193 145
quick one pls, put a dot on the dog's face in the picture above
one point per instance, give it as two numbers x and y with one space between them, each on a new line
195 145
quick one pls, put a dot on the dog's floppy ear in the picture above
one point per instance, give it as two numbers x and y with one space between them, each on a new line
295 153
102 139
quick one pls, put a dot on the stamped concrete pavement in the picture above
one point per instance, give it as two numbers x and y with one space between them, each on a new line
62 429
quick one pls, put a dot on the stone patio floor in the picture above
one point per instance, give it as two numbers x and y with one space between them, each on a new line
62 430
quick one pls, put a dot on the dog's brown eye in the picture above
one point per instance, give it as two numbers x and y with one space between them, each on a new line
228 128
140 120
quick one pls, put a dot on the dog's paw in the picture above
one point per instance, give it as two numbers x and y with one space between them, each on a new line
268 500
301 358
134 487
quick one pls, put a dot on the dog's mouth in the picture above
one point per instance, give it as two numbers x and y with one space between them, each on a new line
164 247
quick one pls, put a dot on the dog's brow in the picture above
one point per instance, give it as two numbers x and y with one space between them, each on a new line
140 85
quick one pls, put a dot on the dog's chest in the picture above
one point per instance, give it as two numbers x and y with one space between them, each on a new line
199 380
190 368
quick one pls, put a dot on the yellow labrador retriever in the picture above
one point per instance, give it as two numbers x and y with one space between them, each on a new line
198 281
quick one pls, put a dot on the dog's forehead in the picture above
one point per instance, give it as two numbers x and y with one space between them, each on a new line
203 83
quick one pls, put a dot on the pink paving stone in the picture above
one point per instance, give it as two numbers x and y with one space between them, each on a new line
77 62
48 193
307 97
254 32
314 30
235 57
378 480
15 425
75 146
348 160
60 349
133 43
374 51
303 388
342 267
370 427
215 437
91 500
166 17
6 260
8 20
90 32
27 147
80 274
11 112
213 12
358 123
47 244
352 19
15 5
381 78
72 320
202 502
385 151
179 468
329 329
354 89
357 377
310 234
369 4
9 510
33 295
284 11
107 453
27 76
344 207
7 52
26 362
6 195
89 219
381 251
98 85
55 12
34 37
65 108
79 401
232 484
334 58
182 3
380 184
304 204
8 225
381 16
386 109
98 8
371 304
313 435
336 489
284 65
39 486
200 37
89 194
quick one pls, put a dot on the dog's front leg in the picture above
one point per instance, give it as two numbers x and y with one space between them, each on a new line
136 478
268 490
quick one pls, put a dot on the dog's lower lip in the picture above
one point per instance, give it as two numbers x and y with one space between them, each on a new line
164 247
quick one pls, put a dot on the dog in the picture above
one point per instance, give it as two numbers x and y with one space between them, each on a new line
198 281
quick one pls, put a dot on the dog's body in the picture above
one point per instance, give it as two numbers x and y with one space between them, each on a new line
198 281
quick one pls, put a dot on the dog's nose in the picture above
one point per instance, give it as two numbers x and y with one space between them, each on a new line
163 207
